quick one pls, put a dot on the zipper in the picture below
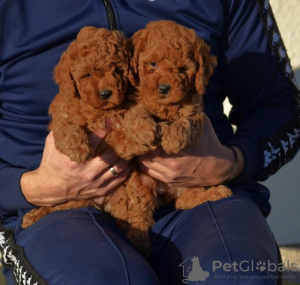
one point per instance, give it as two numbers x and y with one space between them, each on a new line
110 14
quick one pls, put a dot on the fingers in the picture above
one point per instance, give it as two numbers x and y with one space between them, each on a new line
158 164
97 137
102 164
115 181
117 168
99 200
153 155
156 171
162 187
101 178
110 185
49 143
68 180
104 160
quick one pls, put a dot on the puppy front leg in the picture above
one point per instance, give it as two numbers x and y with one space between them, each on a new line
176 136
184 130
141 126
73 141
138 135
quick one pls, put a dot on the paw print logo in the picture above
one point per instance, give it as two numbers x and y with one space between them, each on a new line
261 266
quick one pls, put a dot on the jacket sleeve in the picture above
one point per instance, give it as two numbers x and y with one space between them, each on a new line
12 198
260 84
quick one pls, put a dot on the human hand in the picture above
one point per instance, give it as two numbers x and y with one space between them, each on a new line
207 163
58 179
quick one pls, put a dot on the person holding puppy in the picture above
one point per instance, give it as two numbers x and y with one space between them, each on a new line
85 246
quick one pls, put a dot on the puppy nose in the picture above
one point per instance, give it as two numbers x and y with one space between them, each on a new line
164 89
105 94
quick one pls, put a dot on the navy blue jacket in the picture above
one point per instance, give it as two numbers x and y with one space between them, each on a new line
253 71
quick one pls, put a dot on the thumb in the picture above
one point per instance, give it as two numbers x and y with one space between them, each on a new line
99 135
99 200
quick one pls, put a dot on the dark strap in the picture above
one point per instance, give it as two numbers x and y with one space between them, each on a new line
13 257
279 280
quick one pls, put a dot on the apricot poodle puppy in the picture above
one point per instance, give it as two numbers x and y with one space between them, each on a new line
94 77
173 67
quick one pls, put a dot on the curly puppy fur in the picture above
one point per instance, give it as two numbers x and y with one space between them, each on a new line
94 77
173 66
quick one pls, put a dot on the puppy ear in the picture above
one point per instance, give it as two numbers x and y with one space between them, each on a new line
63 77
132 79
138 41
128 51
206 65
86 33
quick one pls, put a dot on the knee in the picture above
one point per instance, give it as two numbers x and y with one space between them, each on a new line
81 247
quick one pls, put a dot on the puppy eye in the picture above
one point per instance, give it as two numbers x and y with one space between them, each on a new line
87 75
182 69
153 63
119 71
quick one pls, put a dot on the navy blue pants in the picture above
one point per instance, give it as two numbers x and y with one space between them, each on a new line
223 242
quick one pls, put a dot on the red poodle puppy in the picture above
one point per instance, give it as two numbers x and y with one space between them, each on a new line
94 77
173 67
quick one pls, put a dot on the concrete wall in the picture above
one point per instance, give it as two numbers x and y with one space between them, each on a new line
285 184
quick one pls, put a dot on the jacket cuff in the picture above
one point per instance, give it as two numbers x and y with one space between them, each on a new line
253 158
12 198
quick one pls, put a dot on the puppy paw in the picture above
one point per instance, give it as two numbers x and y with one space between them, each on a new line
148 137
32 216
28 220
219 192
75 145
80 155
175 137
189 198
142 129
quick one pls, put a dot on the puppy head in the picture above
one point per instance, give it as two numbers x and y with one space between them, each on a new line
96 68
171 62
